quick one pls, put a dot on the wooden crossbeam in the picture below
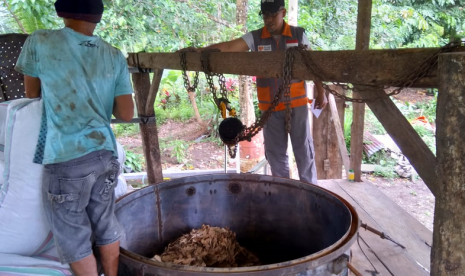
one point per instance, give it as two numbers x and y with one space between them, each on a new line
373 67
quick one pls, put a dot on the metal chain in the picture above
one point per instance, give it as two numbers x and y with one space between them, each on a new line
204 59
187 83
287 74
400 85
284 90
258 125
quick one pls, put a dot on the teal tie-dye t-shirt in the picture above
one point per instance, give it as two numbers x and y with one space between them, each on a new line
80 77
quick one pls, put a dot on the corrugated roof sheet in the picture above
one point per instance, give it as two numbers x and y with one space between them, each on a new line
371 145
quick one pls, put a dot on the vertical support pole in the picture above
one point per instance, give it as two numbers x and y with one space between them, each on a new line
292 20
145 95
448 252
339 132
362 43
225 159
293 7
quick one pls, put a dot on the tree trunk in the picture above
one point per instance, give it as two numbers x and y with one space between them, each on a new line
246 103
194 105
250 153
448 252
293 7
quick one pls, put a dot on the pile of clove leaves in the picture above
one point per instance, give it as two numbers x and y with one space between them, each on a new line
208 247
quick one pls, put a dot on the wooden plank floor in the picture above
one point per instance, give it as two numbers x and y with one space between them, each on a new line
381 213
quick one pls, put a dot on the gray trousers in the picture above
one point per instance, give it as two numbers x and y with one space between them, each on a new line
276 140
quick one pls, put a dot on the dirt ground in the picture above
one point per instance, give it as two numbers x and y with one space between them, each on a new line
202 153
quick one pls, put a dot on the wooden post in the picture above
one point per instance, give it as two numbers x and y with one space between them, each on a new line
145 95
292 20
358 122
293 7
327 130
448 252
339 133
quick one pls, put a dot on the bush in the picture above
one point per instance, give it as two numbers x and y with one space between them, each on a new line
134 161
125 129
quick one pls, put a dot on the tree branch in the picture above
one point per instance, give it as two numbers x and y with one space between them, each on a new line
15 17
211 17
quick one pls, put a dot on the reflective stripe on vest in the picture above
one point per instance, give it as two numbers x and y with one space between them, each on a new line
268 87
266 96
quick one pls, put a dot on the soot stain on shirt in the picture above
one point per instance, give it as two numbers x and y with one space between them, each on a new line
92 104
58 108
72 106
98 136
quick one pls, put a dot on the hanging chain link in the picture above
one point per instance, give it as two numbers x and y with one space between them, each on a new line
284 90
286 86
205 62
406 82
187 83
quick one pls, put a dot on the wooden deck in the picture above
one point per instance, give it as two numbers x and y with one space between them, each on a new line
381 213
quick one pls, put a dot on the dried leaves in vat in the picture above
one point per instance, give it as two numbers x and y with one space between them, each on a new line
208 247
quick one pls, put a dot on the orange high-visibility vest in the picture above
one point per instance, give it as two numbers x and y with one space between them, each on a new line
268 87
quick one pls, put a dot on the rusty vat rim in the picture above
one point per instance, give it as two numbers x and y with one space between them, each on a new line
304 263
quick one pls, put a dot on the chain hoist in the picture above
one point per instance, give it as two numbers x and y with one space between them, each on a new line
231 129
221 102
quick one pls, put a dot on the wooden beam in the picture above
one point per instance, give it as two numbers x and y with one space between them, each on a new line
448 252
373 67
339 133
402 132
358 111
149 132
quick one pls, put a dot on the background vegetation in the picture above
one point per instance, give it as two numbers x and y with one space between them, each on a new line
169 25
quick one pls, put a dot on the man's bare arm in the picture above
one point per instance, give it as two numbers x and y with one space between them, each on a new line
123 108
32 86
236 45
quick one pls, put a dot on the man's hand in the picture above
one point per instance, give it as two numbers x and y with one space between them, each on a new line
189 49
321 99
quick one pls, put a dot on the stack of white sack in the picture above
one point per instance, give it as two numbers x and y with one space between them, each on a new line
26 243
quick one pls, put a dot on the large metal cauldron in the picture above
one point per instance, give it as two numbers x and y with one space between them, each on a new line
293 227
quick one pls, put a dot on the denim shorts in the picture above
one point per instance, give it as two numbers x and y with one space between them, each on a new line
79 199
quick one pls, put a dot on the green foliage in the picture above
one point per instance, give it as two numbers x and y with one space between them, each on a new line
125 129
168 25
178 149
387 172
385 164
134 161
348 119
